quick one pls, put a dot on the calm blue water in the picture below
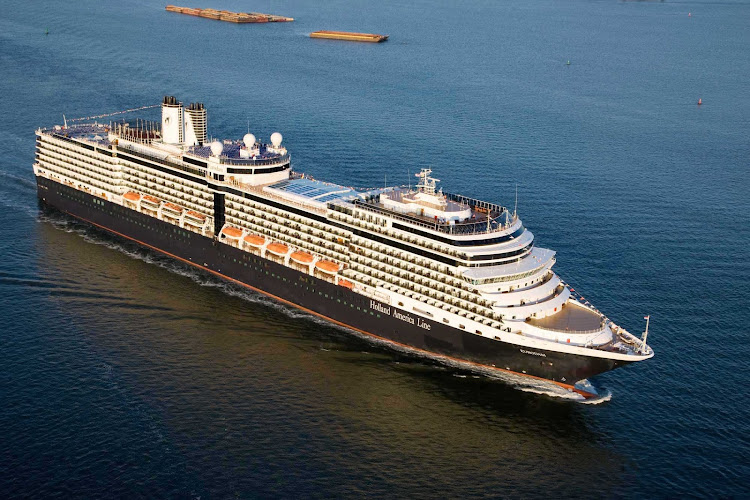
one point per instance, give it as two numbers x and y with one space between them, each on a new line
124 374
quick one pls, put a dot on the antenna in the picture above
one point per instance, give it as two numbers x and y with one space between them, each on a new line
65 122
645 334
385 181
408 174
515 208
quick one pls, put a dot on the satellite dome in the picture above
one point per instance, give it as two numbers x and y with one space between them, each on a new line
217 148
249 140
276 139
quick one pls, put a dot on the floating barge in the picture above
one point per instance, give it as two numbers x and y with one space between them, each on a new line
352 37
231 17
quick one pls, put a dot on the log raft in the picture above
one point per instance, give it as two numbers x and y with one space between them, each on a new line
228 16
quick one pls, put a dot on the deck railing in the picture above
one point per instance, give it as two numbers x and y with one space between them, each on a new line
459 228
249 162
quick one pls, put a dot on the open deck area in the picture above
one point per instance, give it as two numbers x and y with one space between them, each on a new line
231 155
95 133
499 219
572 318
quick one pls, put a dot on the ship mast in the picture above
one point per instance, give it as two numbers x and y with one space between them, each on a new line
645 334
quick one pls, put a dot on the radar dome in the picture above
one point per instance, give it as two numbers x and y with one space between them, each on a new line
249 140
276 139
217 148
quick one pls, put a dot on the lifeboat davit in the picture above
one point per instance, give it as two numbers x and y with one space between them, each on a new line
255 240
301 257
231 232
327 266
278 248
132 196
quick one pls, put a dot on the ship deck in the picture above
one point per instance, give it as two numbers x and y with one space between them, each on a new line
308 190
402 196
571 318
94 133
475 224
232 150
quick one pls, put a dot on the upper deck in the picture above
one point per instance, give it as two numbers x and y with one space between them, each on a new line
136 136
143 140
484 217
430 208
237 153
318 193
91 133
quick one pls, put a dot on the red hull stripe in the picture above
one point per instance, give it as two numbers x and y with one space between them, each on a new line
297 306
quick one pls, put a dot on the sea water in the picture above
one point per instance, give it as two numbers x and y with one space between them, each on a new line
123 373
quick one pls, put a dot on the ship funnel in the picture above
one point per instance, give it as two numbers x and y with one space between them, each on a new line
195 124
172 121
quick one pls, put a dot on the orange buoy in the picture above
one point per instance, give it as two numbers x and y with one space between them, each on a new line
690 14
700 101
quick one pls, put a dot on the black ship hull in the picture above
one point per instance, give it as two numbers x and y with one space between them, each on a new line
335 303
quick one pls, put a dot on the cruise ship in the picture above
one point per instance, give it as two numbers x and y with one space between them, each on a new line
419 268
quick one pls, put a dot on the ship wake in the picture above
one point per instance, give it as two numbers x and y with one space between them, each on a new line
203 278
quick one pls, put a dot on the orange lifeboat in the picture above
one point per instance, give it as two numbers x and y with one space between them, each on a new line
231 232
278 248
151 199
301 257
132 196
327 266
346 284
173 206
255 240
196 215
